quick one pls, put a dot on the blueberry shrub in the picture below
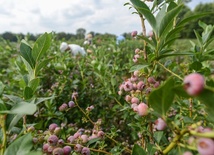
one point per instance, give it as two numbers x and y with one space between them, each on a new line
148 95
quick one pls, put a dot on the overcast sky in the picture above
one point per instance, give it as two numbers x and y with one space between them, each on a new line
39 16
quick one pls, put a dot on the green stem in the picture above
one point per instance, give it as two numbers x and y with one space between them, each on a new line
4 141
205 134
84 112
169 70
175 141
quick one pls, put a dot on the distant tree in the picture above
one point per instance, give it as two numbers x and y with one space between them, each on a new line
80 33
9 36
201 8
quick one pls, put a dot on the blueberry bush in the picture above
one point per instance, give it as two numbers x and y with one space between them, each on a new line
148 95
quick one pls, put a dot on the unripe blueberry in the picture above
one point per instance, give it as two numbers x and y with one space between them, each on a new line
85 151
52 127
135 100
71 104
35 140
53 140
84 138
134 33
137 51
67 150
194 84
58 151
45 147
140 85
136 73
78 148
31 128
151 80
57 130
142 109
160 124
205 146
187 153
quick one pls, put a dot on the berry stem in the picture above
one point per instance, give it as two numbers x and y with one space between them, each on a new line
175 141
83 112
169 70
4 140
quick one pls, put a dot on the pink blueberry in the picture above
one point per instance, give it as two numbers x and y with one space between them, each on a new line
84 138
78 148
187 153
142 109
128 86
45 147
205 146
135 100
194 84
67 150
71 104
140 85
85 151
160 124
53 140
151 80
58 151
128 98
137 51
63 107
52 127
134 33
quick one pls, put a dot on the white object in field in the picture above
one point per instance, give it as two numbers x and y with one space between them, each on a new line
75 49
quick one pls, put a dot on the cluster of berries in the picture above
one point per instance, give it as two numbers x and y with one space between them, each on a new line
137 88
53 145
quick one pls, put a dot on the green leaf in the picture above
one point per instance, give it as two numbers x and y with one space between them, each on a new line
158 135
138 67
173 54
137 150
25 51
20 146
24 108
14 121
146 39
35 153
2 106
199 39
33 84
14 99
2 86
40 100
188 19
207 97
167 22
161 99
180 91
28 93
144 9
196 65
41 46
29 69
40 65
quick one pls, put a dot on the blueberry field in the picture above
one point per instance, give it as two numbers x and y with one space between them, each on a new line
147 95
